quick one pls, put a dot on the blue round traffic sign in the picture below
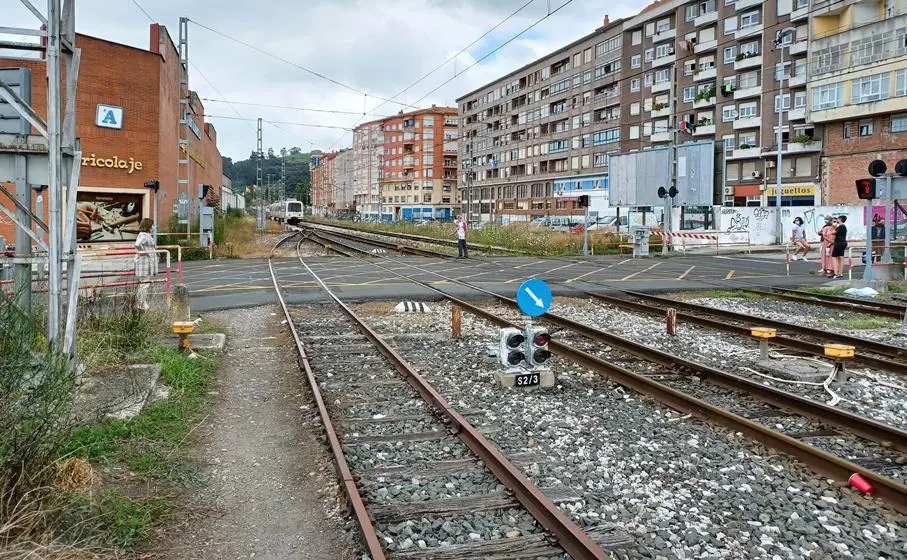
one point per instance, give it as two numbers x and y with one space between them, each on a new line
534 297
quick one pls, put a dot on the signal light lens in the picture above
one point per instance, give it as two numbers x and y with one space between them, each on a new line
515 341
541 339
513 358
540 356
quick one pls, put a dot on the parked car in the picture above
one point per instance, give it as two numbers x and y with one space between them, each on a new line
558 223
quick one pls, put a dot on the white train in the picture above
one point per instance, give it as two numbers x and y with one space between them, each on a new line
286 212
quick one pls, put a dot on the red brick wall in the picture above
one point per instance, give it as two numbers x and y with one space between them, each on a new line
847 159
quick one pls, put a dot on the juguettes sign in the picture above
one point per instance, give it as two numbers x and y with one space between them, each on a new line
129 165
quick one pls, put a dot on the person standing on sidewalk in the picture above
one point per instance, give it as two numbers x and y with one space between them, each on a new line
840 247
827 240
462 250
145 263
798 238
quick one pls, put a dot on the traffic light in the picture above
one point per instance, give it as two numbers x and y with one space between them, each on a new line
583 200
511 347
537 339
866 189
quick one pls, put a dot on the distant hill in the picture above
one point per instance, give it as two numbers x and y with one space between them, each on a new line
299 180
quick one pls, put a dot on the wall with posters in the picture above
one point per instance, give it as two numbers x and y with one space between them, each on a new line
104 215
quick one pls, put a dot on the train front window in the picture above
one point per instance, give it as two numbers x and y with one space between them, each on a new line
294 207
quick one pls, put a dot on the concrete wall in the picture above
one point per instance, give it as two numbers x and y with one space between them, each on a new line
760 222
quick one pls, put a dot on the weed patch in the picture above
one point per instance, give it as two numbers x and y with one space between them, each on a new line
728 294
823 291
863 323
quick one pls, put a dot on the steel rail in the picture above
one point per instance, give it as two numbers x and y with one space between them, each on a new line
744 331
818 460
569 536
388 245
871 345
828 300
333 245
366 528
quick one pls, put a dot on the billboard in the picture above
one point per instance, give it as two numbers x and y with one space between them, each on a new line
635 177
108 216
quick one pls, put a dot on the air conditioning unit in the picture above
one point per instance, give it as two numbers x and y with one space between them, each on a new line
728 190
757 175
771 163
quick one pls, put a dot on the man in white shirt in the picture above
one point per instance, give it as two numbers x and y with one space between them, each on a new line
462 251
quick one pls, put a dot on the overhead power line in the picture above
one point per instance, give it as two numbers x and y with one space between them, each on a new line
277 122
289 107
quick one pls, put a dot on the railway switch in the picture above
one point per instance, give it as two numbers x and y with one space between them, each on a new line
537 339
763 334
512 350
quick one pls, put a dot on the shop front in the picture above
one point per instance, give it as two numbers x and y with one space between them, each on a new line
799 194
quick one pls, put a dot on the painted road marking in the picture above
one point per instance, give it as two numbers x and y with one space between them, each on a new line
602 269
529 264
515 280
730 275
625 278
685 274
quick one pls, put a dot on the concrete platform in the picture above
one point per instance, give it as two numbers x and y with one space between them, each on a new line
116 392
213 342
225 284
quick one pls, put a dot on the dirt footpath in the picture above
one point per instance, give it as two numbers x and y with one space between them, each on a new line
272 491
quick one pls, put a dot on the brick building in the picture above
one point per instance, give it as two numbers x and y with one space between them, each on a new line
128 121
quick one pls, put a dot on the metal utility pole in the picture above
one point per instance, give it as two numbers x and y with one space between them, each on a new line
25 157
183 154
259 156
672 128
779 43
468 167
282 194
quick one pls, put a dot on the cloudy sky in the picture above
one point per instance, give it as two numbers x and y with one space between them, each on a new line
375 47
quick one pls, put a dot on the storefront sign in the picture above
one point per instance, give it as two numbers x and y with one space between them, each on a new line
130 165
194 128
793 190
108 216
109 116
194 156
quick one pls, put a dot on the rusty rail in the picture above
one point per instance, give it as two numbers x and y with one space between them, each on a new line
886 309
569 536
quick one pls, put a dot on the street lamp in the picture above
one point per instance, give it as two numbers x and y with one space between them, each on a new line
779 43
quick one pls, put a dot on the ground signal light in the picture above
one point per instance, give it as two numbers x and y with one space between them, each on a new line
512 351
537 339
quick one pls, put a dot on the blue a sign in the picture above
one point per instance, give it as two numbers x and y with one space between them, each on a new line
533 297
109 116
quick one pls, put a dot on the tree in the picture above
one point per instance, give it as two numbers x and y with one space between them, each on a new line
294 151
271 153
303 191
283 152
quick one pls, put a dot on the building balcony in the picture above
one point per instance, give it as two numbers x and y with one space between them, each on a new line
706 46
748 31
747 92
706 19
705 74
798 47
800 14
741 5
661 86
749 122
795 148
660 137
748 62
662 35
797 114
664 60
744 153
797 81
704 130
704 103
660 112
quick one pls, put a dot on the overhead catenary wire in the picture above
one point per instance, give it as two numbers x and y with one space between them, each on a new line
287 107
278 122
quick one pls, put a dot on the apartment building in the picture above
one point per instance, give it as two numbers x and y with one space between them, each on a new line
342 182
419 170
322 172
537 137
720 62
368 153
858 88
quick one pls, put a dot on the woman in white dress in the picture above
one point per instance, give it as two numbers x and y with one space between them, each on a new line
145 262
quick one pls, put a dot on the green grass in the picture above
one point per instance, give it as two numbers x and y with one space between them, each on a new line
111 519
863 323
839 291
732 294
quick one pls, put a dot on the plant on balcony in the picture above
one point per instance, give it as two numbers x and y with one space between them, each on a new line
804 139
744 55
704 121
745 146
659 106
706 94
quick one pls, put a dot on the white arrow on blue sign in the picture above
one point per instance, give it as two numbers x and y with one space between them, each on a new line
533 297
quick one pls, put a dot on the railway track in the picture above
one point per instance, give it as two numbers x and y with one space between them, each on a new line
403 453
764 404
885 309
809 340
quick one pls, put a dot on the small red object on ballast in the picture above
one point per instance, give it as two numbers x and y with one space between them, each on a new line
857 481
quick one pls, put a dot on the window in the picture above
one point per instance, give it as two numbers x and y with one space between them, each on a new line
730 25
650 29
783 101
798 4
664 50
689 94
575 143
870 88
689 67
636 61
800 100
634 132
727 113
634 108
600 159
587 77
647 80
606 136
827 60
577 60
607 46
707 7
730 54
587 55
747 139
650 55
558 146
749 80
750 49
634 84
749 19
428 159
803 167
782 73
900 82
586 140
647 128
729 142
747 110
663 25
898 123
662 76
692 12
847 130
747 168
577 81
865 51
428 121
636 37
733 168
866 127
429 133
828 96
